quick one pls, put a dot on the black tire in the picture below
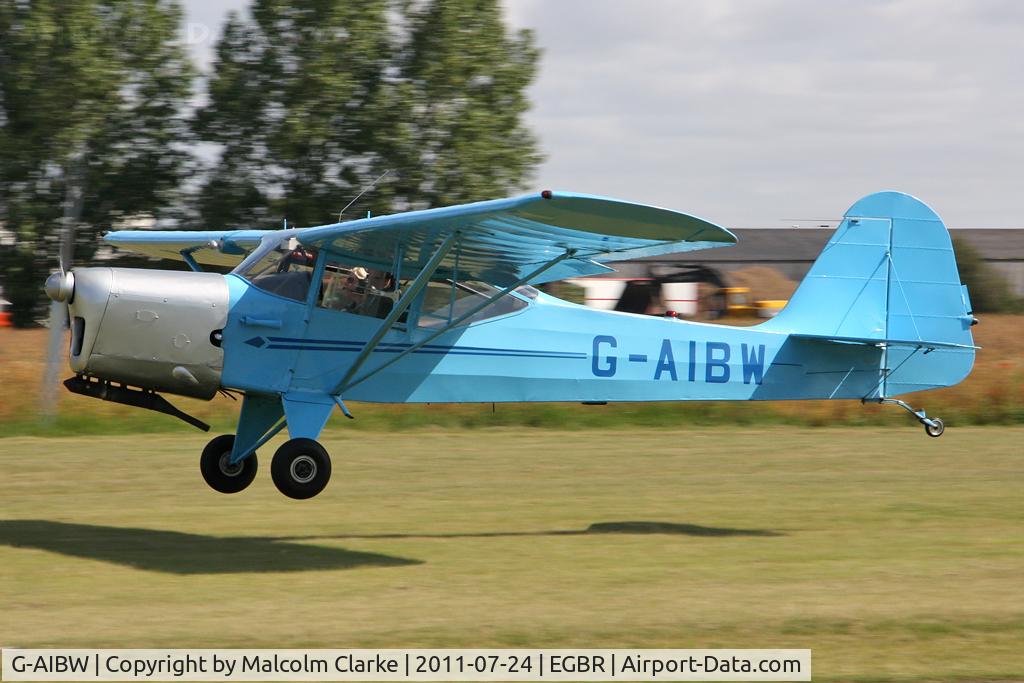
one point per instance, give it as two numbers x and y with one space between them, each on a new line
936 428
301 468
221 476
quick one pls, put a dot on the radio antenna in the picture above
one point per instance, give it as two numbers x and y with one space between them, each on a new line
362 192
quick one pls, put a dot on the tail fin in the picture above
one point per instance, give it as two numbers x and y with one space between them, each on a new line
888 274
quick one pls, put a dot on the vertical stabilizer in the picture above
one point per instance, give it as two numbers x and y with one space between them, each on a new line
889 274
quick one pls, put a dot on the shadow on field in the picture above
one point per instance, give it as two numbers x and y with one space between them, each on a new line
597 528
178 553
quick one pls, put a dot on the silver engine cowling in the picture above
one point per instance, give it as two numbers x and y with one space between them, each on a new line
153 329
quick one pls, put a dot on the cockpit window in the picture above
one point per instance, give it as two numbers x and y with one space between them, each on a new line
358 290
446 301
284 269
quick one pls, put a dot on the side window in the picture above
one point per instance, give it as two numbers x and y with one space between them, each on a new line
445 301
357 290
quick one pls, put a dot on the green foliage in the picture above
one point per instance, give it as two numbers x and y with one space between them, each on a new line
311 100
294 103
90 128
990 292
308 102
463 82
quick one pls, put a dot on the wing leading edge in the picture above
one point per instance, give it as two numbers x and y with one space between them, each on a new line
232 245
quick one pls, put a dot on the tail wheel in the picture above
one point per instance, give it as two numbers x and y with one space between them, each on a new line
935 427
301 468
218 470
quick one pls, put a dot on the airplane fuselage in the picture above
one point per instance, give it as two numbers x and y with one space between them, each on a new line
549 350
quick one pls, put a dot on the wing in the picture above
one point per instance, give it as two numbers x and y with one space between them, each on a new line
231 245
502 240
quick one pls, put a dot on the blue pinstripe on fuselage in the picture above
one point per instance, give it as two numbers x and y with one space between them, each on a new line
550 351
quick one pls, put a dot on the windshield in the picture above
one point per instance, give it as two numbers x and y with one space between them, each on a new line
280 267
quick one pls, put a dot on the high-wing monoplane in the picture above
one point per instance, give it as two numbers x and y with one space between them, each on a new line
440 306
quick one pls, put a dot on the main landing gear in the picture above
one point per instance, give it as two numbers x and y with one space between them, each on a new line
933 426
219 472
300 469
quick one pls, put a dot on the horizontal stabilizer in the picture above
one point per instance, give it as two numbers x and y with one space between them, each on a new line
923 344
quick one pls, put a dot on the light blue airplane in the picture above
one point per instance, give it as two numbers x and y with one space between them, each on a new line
438 306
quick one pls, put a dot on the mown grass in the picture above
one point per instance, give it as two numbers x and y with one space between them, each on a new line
893 556
993 394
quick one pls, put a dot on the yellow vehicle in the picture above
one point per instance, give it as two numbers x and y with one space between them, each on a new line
737 302
769 308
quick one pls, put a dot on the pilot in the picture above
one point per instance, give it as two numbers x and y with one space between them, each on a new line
299 256
292 276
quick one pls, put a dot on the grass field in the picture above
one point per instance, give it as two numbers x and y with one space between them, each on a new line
892 555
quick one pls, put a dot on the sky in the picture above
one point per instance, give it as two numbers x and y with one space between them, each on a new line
770 113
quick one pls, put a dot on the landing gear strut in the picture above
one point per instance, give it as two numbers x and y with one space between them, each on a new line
218 470
933 426
301 468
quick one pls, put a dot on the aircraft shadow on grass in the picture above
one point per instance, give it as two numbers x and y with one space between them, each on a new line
180 553
633 528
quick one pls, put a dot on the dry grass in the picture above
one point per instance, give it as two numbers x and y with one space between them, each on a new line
993 394
764 283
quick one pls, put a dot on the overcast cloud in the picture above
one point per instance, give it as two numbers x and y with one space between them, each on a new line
755 111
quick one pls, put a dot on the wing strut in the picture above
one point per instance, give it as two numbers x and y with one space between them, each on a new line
343 387
411 292
186 254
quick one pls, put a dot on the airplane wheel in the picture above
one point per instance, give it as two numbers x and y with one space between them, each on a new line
935 428
301 468
219 473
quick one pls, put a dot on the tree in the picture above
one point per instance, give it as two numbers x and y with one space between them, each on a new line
91 132
990 292
463 79
310 100
293 103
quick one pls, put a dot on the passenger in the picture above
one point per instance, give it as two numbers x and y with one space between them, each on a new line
354 291
381 296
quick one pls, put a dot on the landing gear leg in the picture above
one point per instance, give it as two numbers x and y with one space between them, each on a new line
933 426
301 468
218 470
